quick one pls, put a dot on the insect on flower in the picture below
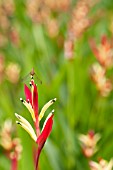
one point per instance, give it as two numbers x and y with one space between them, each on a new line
32 74
31 104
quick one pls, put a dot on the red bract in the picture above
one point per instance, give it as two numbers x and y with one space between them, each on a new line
31 103
44 135
35 102
28 94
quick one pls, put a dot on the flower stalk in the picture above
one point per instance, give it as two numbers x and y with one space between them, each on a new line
14 164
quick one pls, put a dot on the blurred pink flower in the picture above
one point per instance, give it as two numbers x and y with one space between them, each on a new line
14 36
104 85
101 165
103 52
11 145
69 49
2 67
89 142
12 72
52 27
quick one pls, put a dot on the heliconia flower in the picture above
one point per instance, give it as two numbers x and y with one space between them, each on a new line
104 85
31 104
89 142
101 165
103 52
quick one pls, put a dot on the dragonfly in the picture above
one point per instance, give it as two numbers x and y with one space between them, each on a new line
32 74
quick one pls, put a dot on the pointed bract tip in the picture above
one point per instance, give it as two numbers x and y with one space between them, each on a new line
18 122
21 100
53 111
17 115
54 100
31 77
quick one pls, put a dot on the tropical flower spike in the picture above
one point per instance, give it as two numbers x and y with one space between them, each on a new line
31 104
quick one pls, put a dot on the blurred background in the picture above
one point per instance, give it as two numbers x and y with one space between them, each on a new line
69 43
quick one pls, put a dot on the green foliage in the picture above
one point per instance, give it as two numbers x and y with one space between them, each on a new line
79 107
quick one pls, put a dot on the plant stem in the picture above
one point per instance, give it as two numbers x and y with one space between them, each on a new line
37 159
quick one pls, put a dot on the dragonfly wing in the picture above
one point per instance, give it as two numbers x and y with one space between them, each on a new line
25 77
40 81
